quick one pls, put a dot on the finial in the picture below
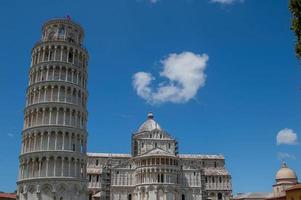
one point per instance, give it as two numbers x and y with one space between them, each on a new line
150 115
68 17
284 165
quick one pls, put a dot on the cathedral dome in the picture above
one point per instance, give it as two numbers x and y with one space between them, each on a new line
285 173
150 124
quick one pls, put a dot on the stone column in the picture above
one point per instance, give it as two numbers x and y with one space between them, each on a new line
40 166
47 166
48 142
54 168
63 142
62 169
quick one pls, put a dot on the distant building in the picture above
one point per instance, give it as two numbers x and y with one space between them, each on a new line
7 196
155 171
294 193
286 179
252 196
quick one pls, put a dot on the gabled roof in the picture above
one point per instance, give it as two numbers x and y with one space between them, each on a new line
156 152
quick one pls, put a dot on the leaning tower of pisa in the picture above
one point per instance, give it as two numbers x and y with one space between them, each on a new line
54 137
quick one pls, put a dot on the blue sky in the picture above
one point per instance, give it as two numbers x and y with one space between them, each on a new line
251 91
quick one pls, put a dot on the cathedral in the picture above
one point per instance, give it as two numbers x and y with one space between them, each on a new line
54 163
156 171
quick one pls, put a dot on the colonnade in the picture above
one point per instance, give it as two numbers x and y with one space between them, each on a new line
218 182
51 166
157 170
122 179
157 161
156 175
66 116
53 141
56 93
57 72
60 51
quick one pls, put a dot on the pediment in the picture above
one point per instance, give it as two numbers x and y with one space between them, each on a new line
157 152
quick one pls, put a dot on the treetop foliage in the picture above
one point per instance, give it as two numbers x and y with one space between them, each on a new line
295 8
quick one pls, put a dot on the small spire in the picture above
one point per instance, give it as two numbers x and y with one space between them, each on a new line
284 165
150 115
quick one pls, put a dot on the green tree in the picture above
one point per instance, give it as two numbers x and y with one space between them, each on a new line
295 8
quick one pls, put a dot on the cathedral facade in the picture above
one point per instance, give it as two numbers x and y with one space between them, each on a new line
156 171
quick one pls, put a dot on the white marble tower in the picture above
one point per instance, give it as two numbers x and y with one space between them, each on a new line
54 138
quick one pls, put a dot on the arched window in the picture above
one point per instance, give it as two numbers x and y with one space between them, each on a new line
219 196
71 37
51 35
130 197
162 178
97 163
62 32
70 57
135 148
183 196
61 198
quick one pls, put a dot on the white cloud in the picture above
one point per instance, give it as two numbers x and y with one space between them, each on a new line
287 136
283 156
184 74
225 1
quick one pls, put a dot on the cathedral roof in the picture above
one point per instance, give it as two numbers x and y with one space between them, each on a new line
201 156
149 125
109 155
216 172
